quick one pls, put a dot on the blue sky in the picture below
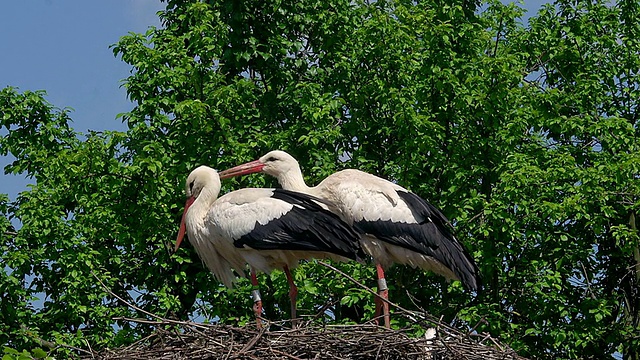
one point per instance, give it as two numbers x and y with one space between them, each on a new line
63 47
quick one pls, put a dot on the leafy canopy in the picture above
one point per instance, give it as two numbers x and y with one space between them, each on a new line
525 135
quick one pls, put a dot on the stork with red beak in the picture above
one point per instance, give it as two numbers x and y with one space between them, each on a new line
265 228
397 225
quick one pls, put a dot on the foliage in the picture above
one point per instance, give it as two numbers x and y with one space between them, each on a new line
37 353
525 136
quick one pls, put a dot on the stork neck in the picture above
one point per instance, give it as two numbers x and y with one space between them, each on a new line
203 203
293 180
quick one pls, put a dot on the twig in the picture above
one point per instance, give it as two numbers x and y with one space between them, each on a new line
475 216
90 349
134 307
358 283
379 349
424 318
51 345
163 321
285 354
586 278
253 341
481 321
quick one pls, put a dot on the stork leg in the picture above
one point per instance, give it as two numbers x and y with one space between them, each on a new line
257 300
382 307
293 295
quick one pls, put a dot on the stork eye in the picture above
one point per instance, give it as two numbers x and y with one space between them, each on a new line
191 186
272 158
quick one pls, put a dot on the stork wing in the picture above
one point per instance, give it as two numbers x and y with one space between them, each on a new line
416 225
276 219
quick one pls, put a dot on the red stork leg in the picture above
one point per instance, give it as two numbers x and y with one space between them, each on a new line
382 307
293 295
257 300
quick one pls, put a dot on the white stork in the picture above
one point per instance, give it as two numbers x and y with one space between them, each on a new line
397 225
265 228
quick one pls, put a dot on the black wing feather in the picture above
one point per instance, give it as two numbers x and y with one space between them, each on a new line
433 237
307 227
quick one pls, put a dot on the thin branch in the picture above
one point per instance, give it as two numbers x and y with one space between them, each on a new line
475 216
495 49
587 281
408 313
51 345
125 301
121 176
159 320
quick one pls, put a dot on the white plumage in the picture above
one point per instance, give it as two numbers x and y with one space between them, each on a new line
397 225
265 228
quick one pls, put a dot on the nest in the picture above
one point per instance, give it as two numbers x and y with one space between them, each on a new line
201 341
175 340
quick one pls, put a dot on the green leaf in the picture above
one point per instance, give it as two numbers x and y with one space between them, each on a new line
39 353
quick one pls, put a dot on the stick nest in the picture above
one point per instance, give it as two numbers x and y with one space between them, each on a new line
201 341
174 340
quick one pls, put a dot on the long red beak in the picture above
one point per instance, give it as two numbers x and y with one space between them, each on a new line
183 227
244 169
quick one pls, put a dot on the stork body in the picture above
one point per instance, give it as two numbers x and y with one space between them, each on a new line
397 225
265 228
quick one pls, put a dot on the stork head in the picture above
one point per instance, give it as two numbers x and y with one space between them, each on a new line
202 182
275 163
202 178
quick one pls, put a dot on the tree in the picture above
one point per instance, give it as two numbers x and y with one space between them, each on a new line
585 55
525 136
